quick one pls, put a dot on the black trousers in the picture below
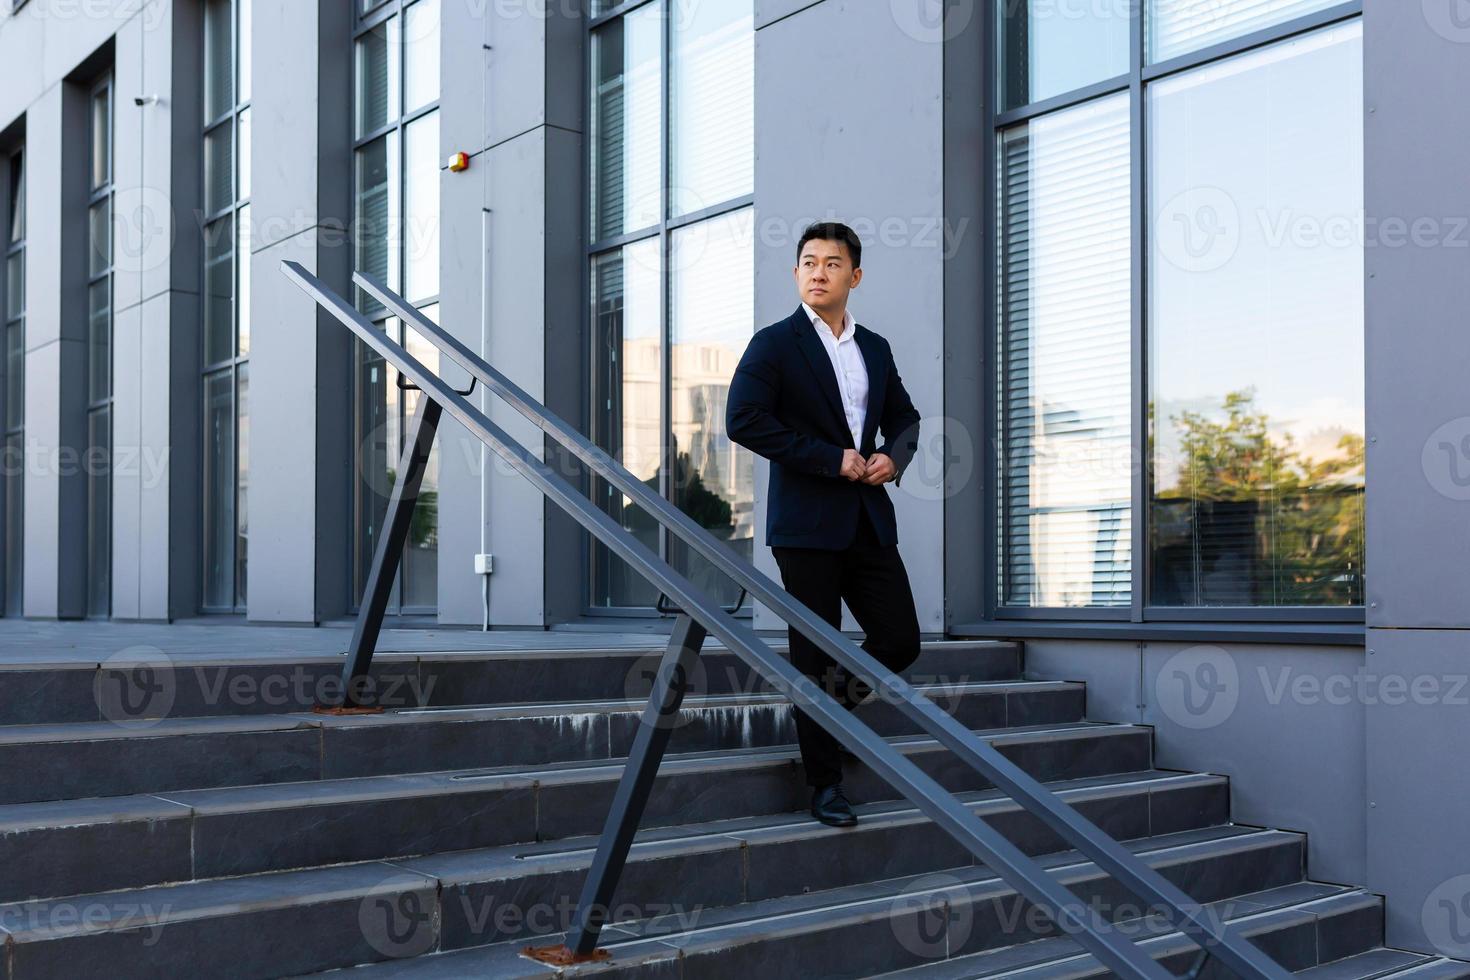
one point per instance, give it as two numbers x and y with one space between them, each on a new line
874 583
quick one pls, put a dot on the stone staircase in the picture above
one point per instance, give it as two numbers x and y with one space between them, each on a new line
194 818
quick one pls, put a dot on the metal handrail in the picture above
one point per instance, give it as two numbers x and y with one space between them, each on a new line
700 613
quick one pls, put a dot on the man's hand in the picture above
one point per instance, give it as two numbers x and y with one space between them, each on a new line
853 465
880 469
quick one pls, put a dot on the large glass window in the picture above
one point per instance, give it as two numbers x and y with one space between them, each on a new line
396 171
1065 480
226 347
97 463
1255 326
14 325
1179 318
672 171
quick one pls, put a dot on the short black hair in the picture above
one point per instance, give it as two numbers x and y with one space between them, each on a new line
832 231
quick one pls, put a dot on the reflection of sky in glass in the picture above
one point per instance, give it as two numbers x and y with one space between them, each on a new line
626 122
712 104
1069 44
1178 27
1256 278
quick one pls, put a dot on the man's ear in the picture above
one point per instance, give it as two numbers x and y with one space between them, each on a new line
857 277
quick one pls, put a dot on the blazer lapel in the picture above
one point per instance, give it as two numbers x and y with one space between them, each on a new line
821 365
877 366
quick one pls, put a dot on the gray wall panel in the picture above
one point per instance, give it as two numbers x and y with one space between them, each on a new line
881 171
1286 724
1418 293
1418 793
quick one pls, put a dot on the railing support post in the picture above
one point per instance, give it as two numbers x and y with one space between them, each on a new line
655 728
386 558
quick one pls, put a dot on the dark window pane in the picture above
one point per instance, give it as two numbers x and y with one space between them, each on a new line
15 376
99 253
99 340
377 219
628 417
99 512
219 168
219 60
15 285
1256 330
1048 48
219 490
242 253
377 77
627 94
1065 483
17 198
102 137
375 415
711 317
219 290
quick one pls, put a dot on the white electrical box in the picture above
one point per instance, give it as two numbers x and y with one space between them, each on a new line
482 564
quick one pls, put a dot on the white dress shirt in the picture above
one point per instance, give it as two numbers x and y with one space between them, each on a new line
851 371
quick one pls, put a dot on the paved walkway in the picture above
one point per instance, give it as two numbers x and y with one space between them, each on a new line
42 641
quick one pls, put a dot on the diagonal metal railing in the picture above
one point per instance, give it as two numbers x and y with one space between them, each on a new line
699 616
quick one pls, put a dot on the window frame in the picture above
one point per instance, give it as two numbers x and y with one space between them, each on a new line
663 230
13 157
97 194
237 364
367 16
1134 82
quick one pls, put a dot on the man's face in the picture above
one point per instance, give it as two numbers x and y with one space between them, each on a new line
824 275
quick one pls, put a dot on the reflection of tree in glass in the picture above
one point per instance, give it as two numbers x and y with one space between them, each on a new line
1252 520
423 529
708 509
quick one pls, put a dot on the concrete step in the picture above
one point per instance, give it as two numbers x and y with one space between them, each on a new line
103 758
80 846
1299 926
706 908
141 683
903 922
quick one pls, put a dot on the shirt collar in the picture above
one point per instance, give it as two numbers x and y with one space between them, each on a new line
848 323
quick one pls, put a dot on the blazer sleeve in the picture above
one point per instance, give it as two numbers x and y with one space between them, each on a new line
900 422
751 420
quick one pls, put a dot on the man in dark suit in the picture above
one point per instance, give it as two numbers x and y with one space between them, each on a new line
811 394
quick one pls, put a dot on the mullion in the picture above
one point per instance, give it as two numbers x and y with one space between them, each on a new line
1142 483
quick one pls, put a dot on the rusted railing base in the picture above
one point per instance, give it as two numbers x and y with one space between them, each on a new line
347 709
564 955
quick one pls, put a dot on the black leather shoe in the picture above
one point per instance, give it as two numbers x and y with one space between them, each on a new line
830 806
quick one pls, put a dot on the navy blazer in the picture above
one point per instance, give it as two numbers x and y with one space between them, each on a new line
784 404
